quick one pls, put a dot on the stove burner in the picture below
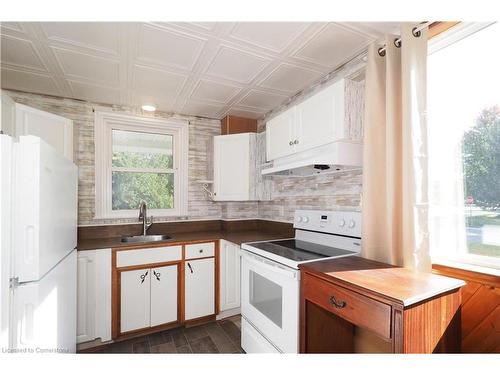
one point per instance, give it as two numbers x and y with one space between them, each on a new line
300 251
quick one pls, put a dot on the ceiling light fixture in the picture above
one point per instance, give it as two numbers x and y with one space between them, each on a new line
148 107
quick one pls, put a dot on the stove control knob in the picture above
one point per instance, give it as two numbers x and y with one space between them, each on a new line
299 219
341 223
352 224
305 219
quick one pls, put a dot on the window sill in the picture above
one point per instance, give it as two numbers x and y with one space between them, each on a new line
467 266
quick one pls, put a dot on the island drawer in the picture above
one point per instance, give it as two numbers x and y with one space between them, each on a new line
359 310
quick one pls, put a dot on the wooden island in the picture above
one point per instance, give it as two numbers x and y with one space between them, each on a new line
408 312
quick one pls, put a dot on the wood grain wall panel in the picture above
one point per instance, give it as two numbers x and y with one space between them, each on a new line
485 337
468 290
480 309
481 304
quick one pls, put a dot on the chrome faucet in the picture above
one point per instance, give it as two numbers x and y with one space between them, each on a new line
144 218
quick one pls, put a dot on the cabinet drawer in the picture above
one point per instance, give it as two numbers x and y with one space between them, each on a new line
351 306
147 256
200 250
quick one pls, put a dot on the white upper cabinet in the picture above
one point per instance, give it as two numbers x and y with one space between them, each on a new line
57 131
238 160
316 121
7 121
320 118
232 166
281 135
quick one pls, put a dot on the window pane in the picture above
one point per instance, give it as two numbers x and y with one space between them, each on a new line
130 189
142 150
464 146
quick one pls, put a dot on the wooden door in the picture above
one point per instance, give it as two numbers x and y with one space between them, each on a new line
163 295
135 299
199 288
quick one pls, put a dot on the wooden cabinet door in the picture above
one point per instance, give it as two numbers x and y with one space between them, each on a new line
86 297
320 119
232 167
199 288
57 131
135 299
163 295
280 134
229 276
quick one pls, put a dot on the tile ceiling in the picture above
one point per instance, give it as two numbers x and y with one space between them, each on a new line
208 69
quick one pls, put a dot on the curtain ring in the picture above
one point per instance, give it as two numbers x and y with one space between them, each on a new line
416 32
397 42
381 52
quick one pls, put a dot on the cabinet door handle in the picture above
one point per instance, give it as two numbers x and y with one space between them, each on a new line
296 142
290 143
157 275
338 304
143 277
190 268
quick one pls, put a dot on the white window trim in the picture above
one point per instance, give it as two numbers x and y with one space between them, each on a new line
104 123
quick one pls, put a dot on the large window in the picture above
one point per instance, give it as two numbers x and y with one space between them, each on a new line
140 160
464 144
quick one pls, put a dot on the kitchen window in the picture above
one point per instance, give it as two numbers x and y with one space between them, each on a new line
464 145
140 159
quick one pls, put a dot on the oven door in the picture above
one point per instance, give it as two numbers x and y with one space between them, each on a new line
270 300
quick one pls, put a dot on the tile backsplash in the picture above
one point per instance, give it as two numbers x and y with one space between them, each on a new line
332 192
201 130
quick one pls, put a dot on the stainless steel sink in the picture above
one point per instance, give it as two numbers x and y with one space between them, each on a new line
147 238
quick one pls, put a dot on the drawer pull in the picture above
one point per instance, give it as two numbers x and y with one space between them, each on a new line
337 304
201 251
157 275
143 277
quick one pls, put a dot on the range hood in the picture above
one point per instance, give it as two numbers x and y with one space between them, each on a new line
334 157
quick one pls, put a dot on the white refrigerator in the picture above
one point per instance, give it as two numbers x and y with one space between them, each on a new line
38 228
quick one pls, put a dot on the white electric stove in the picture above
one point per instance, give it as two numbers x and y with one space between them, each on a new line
270 276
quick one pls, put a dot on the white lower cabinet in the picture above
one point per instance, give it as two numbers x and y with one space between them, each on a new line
135 299
148 297
199 288
93 295
229 276
163 295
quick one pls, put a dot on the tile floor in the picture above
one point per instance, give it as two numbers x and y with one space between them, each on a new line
223 336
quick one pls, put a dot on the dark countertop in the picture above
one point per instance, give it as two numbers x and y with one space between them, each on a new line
237 237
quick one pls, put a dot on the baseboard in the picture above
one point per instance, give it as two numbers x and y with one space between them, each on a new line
227 313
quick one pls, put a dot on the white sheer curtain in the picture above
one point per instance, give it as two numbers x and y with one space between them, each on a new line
395 228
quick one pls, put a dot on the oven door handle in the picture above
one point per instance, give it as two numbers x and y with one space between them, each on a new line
269 265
